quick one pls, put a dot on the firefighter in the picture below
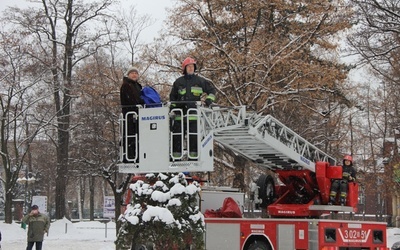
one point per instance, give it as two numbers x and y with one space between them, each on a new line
185 92
348 175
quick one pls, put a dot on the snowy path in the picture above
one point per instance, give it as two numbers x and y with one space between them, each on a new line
71 244
79 236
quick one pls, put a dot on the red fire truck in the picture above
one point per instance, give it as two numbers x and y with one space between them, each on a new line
297 209
288 234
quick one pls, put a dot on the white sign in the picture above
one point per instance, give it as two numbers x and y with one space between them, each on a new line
109 207
41 202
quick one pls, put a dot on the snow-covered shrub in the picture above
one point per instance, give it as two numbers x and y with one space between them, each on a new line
164 213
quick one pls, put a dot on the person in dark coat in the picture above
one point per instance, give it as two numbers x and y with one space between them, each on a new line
185 92
130 98
342 185
38 225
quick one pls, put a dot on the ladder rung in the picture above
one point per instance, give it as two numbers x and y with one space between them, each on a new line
263 139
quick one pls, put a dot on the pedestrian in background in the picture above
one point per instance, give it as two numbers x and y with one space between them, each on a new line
38 225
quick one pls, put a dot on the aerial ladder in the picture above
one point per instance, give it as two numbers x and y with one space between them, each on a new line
305 171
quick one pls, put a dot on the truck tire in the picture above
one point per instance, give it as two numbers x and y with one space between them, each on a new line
266 190
259 245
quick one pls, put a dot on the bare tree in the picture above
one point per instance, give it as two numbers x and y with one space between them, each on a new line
132 25
376 37
21 93
61 37
376 40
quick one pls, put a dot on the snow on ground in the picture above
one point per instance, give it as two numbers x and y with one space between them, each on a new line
65 235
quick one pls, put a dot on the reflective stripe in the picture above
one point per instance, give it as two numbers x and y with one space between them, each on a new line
182 91
193 154
191 118
196 91
211 97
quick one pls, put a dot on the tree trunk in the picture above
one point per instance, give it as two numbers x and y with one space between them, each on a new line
80 199
91 198
8 207
60 197
63 110
238 181
82 194
118 199
62 168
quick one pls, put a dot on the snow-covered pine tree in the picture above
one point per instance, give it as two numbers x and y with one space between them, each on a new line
164 214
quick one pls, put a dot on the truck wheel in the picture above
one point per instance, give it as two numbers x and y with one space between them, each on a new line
266 191
259 245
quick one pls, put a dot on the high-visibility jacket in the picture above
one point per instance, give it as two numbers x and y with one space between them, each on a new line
348 171
190 88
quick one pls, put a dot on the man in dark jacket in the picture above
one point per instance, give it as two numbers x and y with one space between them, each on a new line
38 225
185 92
342 185
130 98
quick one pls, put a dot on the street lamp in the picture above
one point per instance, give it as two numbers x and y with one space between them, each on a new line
27 181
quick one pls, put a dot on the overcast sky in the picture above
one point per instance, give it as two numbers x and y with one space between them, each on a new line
155 8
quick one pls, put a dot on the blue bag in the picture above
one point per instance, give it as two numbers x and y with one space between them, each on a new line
150 97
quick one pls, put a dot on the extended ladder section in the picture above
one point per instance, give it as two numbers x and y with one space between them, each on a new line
305 170
262 139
